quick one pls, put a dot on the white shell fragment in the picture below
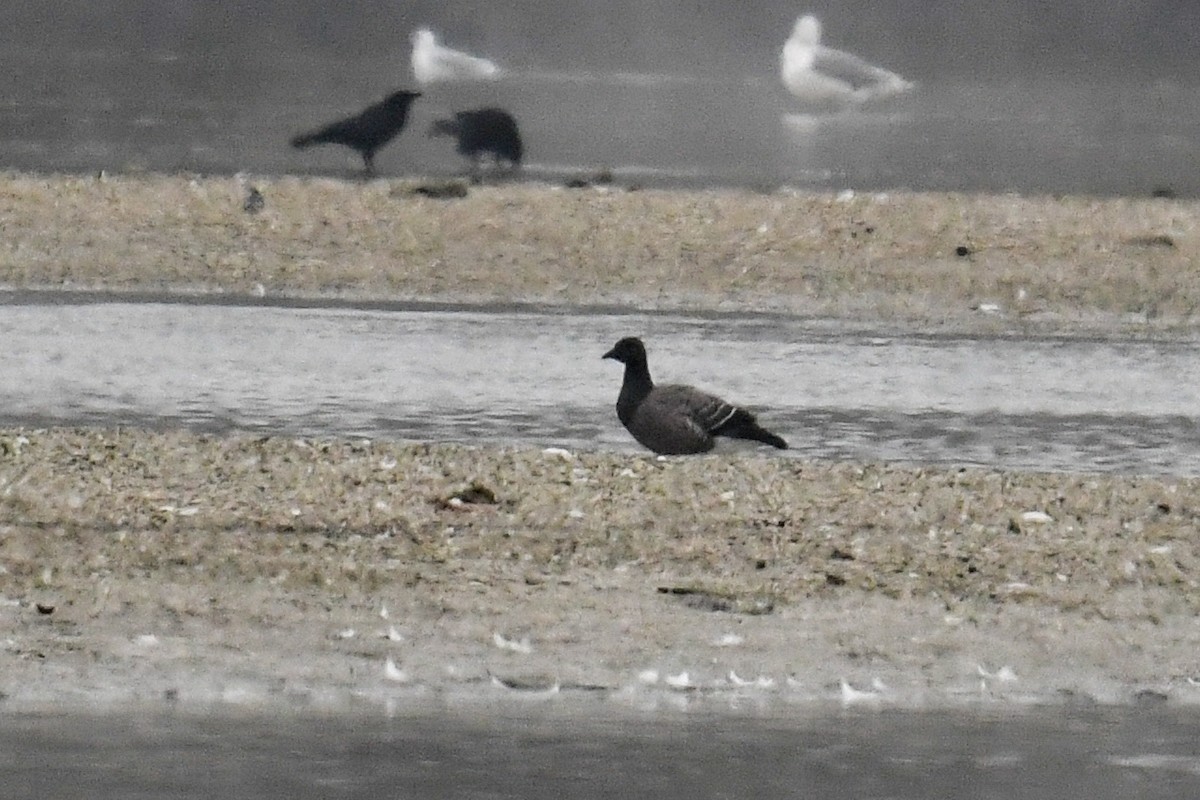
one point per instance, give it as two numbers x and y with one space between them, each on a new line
394 673
521 646
1005 674
852 696
761 682
680 681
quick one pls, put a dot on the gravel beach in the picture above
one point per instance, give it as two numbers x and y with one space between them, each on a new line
167 567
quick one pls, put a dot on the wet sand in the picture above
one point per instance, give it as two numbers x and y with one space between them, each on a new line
173 568
993 263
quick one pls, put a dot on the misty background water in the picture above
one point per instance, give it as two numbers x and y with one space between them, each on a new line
1076 97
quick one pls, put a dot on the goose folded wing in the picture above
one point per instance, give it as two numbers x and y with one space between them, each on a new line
707 412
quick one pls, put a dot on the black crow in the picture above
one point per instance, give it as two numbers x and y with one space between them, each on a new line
674 419
365 132
483 131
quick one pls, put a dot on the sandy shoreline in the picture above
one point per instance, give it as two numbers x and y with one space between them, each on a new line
186 570
992 263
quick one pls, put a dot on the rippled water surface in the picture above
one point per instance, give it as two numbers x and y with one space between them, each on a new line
537 379
591 753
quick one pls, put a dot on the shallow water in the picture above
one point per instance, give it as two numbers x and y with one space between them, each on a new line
594 753
537 379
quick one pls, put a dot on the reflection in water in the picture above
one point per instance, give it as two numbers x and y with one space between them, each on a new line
537 379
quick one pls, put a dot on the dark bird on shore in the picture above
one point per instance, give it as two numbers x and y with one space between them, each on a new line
482 132
254 202
674 419
365 132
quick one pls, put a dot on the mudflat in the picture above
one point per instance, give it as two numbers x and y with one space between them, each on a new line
995 262
177 568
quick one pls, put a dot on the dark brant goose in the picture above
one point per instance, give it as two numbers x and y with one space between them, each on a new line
482 132
674 419
365 132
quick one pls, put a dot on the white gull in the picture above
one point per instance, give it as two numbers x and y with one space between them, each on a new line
824 79
434 63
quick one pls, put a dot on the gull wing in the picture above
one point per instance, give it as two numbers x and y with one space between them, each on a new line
856 72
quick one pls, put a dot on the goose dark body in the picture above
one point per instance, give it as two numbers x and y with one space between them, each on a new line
366 132
673 419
